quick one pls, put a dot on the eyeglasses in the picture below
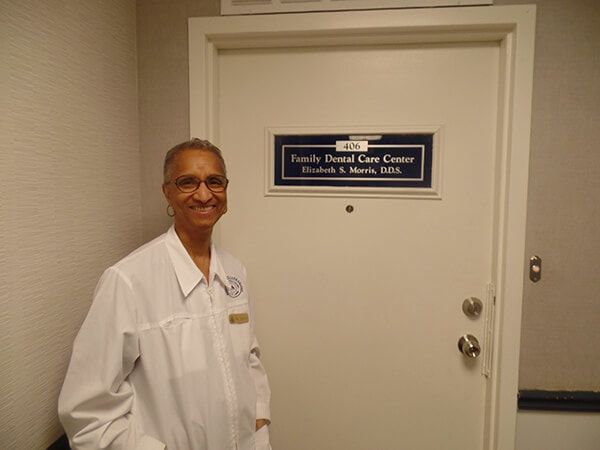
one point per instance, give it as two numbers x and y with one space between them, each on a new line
189 184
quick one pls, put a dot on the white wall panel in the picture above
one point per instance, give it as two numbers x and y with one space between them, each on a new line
71 189
545 430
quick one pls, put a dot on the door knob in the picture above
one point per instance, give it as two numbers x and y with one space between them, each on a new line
469 346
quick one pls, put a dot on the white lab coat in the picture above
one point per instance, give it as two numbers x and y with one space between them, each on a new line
164 359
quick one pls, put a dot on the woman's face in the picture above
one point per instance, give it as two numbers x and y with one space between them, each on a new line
201 209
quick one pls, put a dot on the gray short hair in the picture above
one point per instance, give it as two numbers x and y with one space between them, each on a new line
193 144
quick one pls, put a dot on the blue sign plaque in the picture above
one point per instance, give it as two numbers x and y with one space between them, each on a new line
386 160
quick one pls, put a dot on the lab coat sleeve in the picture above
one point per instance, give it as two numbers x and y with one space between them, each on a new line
95 404
258 373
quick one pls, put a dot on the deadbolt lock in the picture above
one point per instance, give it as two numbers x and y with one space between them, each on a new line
472 307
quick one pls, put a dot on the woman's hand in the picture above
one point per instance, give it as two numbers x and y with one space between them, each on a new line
261 423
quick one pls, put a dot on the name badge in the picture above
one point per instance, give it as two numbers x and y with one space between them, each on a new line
238 318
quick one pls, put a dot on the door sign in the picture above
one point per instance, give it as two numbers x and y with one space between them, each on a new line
377 161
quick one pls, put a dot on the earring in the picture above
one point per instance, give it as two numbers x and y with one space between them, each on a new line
169 212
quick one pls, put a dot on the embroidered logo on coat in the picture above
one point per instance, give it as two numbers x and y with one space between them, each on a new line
235 287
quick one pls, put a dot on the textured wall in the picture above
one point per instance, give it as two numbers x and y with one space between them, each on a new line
561 313
70 189
163 92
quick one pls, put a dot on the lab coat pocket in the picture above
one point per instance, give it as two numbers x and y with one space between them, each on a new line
261 438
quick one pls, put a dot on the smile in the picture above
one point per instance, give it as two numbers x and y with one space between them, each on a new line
202 209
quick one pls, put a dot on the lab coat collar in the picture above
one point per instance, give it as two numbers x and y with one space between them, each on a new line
188 274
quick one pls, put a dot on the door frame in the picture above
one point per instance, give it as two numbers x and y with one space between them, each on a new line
513 28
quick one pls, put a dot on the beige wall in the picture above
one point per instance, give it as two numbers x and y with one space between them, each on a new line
561 312
163 92
70 190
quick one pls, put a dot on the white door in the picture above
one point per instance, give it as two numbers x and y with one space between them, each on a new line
359 314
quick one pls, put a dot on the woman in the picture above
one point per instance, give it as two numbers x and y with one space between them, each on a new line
167 357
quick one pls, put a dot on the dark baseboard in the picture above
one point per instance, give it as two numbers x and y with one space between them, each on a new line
583 401
62 443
